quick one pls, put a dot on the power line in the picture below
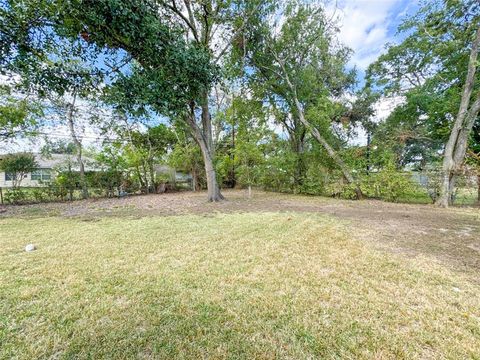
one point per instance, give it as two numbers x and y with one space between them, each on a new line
60 135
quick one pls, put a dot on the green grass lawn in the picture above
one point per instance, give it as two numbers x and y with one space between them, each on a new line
239 286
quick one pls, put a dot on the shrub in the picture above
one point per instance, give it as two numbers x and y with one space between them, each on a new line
341 190
390 184
15 196
40 194
57 190
314 181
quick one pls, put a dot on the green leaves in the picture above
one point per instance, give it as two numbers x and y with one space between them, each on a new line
429 69
168 72
17 116
59 45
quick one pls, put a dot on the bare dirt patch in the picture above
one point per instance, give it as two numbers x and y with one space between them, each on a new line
449 236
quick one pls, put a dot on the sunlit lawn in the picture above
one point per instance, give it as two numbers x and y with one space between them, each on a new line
253 285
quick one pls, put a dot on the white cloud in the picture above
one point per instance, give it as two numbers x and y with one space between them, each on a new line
383 108
367 25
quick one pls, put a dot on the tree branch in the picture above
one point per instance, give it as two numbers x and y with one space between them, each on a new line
240 29
173 7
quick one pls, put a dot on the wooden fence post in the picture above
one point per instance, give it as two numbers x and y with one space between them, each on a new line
1 195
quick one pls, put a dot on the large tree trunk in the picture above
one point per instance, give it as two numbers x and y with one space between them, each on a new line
455 148
201 25
213 189
207 124
462 143
201 29
202 139
78 145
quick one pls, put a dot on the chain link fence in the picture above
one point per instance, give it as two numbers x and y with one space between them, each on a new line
467 189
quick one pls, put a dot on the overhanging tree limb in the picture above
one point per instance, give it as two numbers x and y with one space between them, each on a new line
316 134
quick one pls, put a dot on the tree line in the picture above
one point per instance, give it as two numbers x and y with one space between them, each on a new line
246 92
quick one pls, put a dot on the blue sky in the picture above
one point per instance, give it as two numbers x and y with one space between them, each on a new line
367 25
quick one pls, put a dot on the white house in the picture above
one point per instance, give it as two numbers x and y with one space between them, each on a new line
47 166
